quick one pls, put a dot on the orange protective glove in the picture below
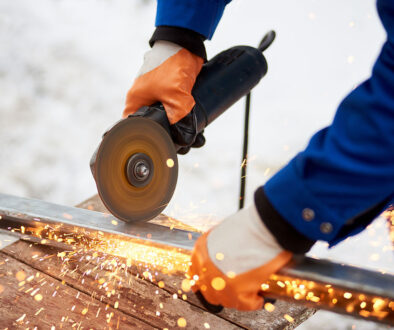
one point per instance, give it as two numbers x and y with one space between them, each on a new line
167 75
233 259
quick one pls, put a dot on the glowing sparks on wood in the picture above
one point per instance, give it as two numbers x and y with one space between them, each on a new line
181 322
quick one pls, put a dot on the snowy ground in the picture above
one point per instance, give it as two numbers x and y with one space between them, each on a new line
65 67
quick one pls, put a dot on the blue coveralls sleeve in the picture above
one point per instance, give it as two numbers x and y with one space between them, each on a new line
201 16
348 168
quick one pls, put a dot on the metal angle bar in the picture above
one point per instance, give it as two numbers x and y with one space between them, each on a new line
7 238
36 213
340 275
300 281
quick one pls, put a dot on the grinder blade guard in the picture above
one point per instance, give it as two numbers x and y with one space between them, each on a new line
136 167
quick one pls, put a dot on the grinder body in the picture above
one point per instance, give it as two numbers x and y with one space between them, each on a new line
135 166
225 79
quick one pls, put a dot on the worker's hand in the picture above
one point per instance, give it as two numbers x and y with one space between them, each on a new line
233 259
168 75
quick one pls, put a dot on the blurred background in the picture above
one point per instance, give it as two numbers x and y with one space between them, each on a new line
66 65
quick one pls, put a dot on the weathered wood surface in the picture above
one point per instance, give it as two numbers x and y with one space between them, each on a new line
136 297
96 291
29 298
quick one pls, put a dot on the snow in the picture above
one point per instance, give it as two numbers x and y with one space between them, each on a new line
65 67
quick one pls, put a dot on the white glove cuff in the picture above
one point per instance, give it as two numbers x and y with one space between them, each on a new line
242 242
160 52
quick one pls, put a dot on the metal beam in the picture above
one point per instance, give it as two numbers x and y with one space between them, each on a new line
7 239
65 219
313 282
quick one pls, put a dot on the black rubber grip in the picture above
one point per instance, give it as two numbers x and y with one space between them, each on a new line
224 80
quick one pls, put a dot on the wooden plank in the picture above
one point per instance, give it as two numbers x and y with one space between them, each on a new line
105 280
30 298
258 320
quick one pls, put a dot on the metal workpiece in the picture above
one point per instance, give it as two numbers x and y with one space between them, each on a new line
7 238
313 282
67 221
341 276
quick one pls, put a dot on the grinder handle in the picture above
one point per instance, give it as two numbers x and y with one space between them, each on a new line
225 79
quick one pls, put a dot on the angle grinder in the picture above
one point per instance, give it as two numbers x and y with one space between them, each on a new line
136 166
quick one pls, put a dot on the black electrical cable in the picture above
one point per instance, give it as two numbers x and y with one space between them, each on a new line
264 44
244 153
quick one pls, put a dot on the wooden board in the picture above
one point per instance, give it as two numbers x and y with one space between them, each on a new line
134 296
30 298
88 290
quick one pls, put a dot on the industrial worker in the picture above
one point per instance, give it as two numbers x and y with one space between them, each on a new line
330 191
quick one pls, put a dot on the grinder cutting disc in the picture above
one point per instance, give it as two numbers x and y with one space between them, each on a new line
136 169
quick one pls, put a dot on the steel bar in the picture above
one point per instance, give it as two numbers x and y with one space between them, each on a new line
308 281
7 239
36 214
